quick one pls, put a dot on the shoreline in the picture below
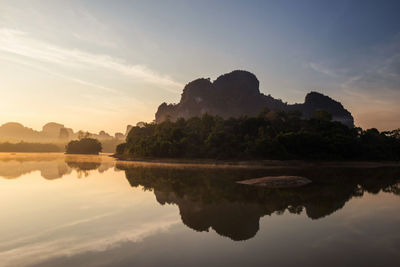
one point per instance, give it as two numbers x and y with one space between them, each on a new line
202 162
260 163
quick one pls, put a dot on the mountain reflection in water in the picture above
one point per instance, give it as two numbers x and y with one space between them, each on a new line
208 197
51 166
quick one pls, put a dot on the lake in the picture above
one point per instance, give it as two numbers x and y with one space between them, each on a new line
65 210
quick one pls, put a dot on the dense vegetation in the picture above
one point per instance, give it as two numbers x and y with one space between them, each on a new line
84 146
270 135
29 147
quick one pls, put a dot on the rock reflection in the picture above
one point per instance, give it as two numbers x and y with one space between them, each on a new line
208 198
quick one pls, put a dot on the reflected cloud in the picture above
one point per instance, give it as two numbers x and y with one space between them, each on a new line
37 251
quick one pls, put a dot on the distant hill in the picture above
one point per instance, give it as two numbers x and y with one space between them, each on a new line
13 131
51 133
236 94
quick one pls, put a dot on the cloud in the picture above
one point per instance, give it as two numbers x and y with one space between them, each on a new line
369 83
22 44
377 86
57 74
378 70
381 75
374 69
374 88
321 69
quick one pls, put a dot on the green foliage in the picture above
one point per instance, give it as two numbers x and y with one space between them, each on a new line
84 146
270 135
121 148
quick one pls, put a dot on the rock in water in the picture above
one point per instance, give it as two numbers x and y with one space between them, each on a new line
277 181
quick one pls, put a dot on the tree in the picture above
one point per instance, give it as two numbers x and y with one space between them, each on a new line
271 134
84 146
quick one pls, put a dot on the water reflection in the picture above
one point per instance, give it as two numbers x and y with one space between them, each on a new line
51 166
208 198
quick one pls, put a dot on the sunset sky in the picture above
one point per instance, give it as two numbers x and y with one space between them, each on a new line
100 65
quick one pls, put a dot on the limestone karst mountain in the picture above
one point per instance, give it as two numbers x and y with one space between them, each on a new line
236 94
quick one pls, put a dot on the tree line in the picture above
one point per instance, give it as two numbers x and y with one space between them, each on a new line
270 135
29 147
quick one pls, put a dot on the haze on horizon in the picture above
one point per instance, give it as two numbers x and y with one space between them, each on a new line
100 65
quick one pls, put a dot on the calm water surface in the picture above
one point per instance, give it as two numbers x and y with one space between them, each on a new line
61 210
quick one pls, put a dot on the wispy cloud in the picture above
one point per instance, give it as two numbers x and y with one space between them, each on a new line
321 69
22 44
369 83
382 74
57 74
374 87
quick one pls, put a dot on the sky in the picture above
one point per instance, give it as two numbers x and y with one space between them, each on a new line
101 65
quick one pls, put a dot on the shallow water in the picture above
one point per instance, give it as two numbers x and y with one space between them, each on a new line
59 210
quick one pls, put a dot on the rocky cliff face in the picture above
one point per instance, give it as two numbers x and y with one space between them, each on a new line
236 94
